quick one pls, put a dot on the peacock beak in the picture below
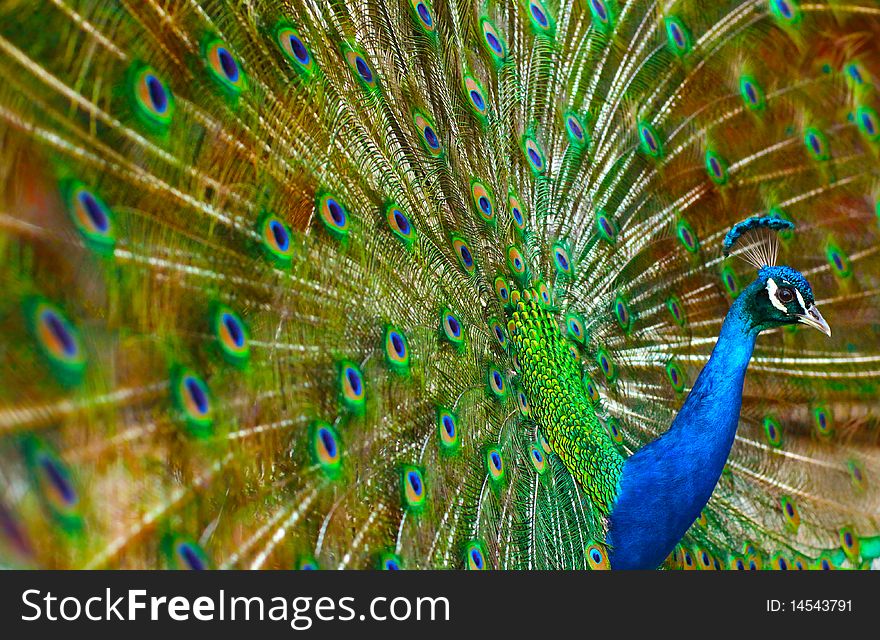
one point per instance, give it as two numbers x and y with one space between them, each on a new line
814 319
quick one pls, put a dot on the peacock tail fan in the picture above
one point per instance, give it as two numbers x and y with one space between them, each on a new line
315 285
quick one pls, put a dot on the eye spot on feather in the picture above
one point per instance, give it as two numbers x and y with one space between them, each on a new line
497 330
324 447
463 253
673 304
516 262
502 290
400 225
231 334
649 141
540 17
737 563
857 475
423 15
334 216
591 389
543 294
413 489
57 339
838 260
451 328
779 563
850 544
574 127
705 561
522 403
447 430
575 328
786 12
475 556
621 312
688 563
295 50
866 118
601 13
427 133
752 93
276 239
536 456
730 281
91 217
614 431
855 73
823 421
193 400
53 481
816 144
687 237
475 97
675 376
352 390
497 384
790 513
677 36
516 211
224 67
773 432
360 67
597 557
534 154
390 562
396 350
562 260
606 364
483 201
494 464
606 227
152 98
185 554
492 40
716 166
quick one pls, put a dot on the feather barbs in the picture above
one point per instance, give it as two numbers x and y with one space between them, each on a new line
755 240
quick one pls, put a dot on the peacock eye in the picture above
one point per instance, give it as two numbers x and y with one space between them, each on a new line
785 294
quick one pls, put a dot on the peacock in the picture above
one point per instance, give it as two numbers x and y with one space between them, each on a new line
464 284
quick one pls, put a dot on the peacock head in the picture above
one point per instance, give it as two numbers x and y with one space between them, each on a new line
780 295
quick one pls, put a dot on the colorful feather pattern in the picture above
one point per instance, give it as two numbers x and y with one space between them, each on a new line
361 284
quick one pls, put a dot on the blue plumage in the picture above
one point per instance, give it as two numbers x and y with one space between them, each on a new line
682 467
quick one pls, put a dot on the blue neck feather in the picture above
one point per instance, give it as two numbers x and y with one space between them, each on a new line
665 485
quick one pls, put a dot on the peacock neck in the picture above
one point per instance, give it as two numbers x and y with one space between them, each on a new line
665 485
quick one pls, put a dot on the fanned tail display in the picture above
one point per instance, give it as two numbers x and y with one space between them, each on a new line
364 284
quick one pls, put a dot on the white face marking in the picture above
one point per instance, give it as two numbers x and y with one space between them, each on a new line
771 291
800 300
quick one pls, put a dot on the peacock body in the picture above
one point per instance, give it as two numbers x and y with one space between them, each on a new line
420 284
